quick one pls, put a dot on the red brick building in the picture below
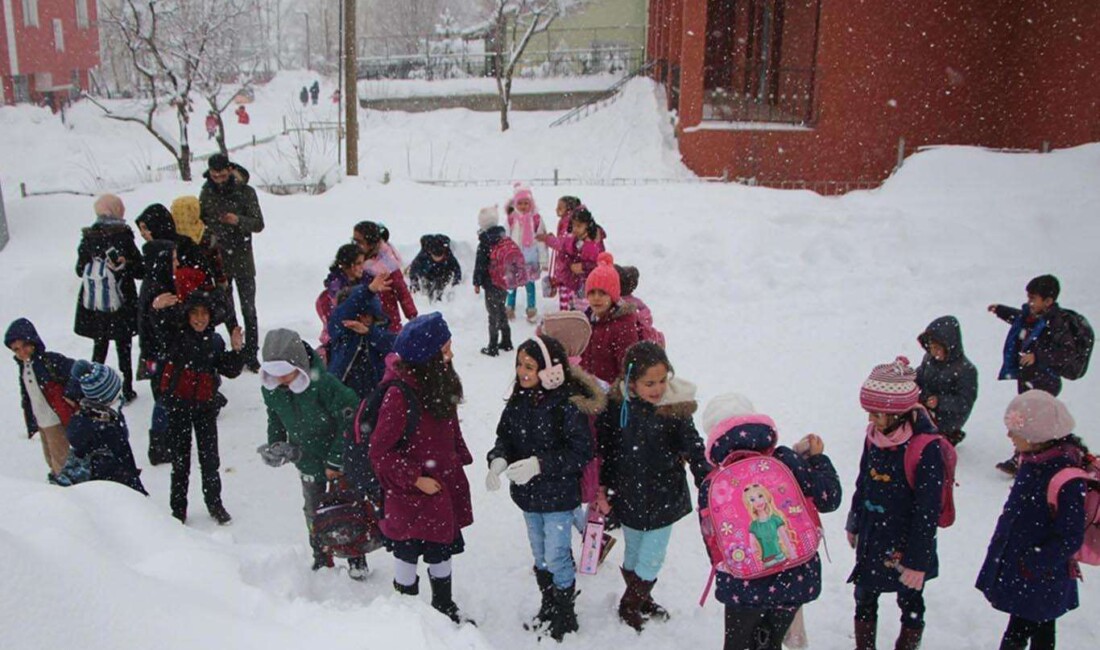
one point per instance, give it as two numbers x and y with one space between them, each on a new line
821 93
47 47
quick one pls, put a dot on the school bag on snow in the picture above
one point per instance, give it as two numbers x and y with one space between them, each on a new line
507 266
1089 553
1082 340
757 521
100 290
345 524
357 468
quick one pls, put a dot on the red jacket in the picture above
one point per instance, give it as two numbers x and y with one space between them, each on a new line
436 449
611 337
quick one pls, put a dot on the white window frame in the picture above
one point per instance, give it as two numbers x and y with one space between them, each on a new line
30 13
58 35
82 14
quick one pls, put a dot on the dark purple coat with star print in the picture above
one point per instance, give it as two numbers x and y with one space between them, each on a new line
819 482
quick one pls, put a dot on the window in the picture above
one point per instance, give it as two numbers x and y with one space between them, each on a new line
21 88
30 13
82 14
58 35
43 81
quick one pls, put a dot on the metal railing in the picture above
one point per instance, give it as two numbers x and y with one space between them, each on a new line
610 59
779 95
607 97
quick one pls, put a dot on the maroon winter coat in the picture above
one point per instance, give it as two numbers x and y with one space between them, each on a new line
611 337
436 449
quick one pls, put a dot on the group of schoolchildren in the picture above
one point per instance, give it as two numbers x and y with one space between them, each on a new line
599 426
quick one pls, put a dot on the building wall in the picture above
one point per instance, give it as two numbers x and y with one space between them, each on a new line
36 46
928 71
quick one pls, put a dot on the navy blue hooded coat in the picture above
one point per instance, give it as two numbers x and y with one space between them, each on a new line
1028 570
819 482
896 524
359 360
99 435
953 381
51 371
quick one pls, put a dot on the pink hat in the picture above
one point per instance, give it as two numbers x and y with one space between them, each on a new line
891 388
1038 417
604 277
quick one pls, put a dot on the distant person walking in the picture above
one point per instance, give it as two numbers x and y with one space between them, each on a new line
304 96
315 91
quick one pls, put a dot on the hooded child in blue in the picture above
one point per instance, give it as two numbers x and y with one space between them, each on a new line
359 341
948 381
891 525
1029 570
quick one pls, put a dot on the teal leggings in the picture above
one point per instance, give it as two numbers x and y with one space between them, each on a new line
645 551
530 287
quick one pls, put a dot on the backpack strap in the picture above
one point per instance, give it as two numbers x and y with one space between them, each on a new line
914 452
1058 481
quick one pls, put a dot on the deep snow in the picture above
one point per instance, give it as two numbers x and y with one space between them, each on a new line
785 296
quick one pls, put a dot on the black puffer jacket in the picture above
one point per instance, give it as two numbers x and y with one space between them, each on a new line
153 341
194 361
237 197
643 462
95 242
953 382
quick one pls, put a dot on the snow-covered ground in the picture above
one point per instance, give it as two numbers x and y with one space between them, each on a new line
785 296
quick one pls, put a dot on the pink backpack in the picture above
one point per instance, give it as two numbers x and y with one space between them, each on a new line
507 266
950 459
1089 553
783 533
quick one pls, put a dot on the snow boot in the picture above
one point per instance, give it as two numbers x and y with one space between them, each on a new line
545 581
219 514
443 603
358 569
321 560
532 315
490 351
866 631
909 638
181 514
510 312
630 605
506 345
563 619
407 590
649 608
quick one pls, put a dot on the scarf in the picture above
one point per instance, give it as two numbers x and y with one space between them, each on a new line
527 222
897 437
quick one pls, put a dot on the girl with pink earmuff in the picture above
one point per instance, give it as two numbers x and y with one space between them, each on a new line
542 446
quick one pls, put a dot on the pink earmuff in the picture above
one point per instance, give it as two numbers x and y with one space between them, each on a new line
553 375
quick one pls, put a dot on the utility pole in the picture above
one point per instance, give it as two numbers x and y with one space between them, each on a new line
351 91
306 14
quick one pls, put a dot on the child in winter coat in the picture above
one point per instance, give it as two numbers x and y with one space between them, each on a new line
524 223
426 494
160 263
434 268
308 413
892 525
575 257
543 444
646 436
345 272
948 381
628 278
1029 571
759 611
97 431
489 234
188 384
614 322
359 341
47 392
382 261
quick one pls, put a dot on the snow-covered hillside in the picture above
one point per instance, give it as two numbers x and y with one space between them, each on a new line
785 296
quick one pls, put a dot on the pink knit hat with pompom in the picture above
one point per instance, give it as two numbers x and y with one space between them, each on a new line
605 278
891 388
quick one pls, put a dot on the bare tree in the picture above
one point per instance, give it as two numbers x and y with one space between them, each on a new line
515 22
171 44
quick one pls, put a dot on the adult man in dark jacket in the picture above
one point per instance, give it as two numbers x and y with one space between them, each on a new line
231 211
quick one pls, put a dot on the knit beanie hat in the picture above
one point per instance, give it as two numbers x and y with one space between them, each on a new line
891 388
185 212
628 279
570 328
110 206
422 338
724 407
604 278
98 382
1038 417
488 217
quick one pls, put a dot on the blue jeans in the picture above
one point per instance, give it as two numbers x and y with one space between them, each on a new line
530 288
551 534
645 551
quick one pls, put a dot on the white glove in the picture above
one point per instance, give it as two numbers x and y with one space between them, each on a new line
522 471
492 479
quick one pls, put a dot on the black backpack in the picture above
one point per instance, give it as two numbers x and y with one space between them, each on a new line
1081 341
357 468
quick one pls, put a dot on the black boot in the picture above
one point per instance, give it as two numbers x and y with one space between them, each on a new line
407 590
564 617
357 568
866 631
218 513
321 560
443 602
909 638
490 351
630 605
649 608
545 581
